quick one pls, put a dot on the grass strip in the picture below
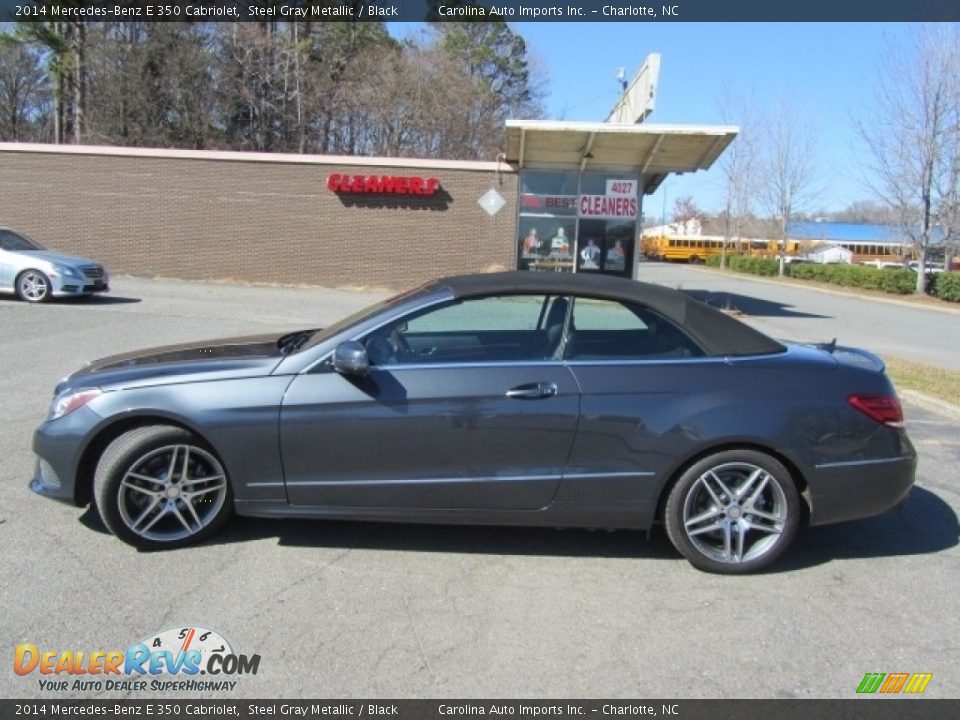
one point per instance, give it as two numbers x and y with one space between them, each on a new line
934 381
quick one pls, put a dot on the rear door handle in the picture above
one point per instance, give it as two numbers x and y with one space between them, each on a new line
533 391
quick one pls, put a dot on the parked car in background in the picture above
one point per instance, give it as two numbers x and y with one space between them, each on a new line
36 274
885 265
518 398
932 268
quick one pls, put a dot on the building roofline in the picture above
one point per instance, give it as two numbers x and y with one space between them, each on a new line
258 157
633 128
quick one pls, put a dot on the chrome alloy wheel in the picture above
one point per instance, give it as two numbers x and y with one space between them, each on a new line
33 286
172 493
735 512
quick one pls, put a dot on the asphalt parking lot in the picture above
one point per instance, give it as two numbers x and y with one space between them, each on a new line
341 610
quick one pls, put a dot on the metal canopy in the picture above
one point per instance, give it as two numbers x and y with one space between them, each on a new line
653 151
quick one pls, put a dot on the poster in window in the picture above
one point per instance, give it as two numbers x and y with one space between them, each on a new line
616 259
591 254
560 241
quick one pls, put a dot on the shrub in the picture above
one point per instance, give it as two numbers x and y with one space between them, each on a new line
754 265
899 282
714 260
947 286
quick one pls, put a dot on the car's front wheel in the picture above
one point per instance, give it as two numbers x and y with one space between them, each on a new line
733 512
160 487
33 286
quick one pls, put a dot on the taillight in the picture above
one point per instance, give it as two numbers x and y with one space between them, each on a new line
882 408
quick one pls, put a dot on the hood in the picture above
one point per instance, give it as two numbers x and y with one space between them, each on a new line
228 357
60 258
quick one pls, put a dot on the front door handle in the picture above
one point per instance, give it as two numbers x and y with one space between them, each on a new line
533 391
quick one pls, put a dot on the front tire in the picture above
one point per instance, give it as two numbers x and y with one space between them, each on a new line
733 512
33 286
161 487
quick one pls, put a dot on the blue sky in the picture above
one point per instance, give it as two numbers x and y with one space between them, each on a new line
825 70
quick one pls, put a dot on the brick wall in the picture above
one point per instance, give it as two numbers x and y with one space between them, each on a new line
215 216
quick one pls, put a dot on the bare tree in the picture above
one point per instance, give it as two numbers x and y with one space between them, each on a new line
24 97
739 166
787 171
685 209
496 80
151 83
66 46
913 136
275 86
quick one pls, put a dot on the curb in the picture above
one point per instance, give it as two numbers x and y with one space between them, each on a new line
827 291
934 405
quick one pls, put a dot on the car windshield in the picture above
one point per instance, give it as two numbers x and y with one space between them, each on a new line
362 315
14 242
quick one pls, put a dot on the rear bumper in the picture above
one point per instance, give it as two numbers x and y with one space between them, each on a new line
858 489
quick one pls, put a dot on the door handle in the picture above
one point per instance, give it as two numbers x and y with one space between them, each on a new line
533 391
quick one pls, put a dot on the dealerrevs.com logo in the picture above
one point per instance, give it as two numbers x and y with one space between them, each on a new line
171 660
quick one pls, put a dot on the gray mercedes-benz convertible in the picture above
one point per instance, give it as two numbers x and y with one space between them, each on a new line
509 398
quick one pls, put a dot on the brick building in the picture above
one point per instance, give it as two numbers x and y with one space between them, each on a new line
564 196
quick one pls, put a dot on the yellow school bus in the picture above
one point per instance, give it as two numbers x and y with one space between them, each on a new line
697 248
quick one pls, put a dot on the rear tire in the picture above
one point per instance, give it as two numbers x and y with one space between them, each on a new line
733 512
161 487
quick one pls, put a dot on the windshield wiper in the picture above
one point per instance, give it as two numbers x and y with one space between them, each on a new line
292 342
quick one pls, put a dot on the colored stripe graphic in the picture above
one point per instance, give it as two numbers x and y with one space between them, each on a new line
871 682
918 682
894 682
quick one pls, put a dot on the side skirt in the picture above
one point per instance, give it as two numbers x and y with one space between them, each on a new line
632 516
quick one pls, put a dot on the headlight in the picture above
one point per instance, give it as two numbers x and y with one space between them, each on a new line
66 271
70 400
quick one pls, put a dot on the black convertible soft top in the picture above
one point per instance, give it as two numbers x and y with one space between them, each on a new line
717 333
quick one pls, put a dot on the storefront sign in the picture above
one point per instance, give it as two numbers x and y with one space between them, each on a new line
383 184
604 206
622 188
549 204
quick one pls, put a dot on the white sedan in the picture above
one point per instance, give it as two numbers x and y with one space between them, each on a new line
35 274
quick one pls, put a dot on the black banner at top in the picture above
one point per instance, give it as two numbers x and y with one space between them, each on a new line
277 709
459 10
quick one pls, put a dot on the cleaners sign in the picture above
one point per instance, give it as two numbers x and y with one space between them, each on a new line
383 184
606 206
620 202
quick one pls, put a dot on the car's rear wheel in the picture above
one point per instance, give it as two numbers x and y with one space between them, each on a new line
733 512
161 487
33 286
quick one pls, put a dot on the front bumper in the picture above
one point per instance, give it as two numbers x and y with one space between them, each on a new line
74 287
59 446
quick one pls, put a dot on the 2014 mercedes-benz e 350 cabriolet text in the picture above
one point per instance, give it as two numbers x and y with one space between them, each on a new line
511 398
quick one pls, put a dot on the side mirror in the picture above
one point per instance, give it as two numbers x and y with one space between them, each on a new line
350 358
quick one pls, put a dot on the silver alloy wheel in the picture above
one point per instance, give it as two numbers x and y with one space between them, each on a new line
735 512
33 286
172 493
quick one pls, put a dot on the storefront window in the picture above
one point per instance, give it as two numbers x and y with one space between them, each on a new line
577 222
606 246
548 182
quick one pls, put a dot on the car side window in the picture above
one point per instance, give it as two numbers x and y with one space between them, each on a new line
500 328
612 330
